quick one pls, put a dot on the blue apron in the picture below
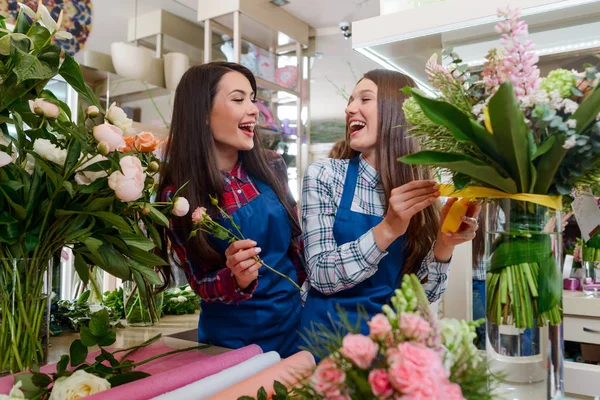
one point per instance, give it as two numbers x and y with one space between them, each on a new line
373 292
271 317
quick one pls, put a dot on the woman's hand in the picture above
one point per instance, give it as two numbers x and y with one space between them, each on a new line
444 246
240 259
405 201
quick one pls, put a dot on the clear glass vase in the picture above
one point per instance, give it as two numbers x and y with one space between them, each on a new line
524 343
25 288
141 307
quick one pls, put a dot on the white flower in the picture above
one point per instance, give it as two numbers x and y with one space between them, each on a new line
87 177
188 288
181 207
174 299
182 299
117 117
45 149
176 291
45 108
598 117
555 100
78 385
540 97
570 142
571 123
477 109
570 106
15 392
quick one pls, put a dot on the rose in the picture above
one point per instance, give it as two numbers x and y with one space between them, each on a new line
87 177
415 327
451 391
328 378
15 392
181 207
110 134
129 184
415 368
78 385
379 327
45 149
146 142
116 116
160 150
199 214
359 349
43 108
129 144
380 383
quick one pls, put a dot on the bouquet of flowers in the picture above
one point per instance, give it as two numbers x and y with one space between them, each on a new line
408 354
511 134
66 179
180 300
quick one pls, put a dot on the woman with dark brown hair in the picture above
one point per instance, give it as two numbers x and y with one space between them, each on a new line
214 146
369 219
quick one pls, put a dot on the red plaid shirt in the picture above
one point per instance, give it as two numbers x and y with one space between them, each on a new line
219 285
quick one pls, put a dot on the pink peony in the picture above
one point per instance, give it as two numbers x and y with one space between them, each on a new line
328 379
198 214
415 327
379 327
45 108
360 349
181 207
128 184
110 134
380 383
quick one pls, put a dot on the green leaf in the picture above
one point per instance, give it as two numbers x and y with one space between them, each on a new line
109 357
61 366
521 250
280 389
510 135
111 261
101 203
99 323
158 217
27 385
71 72
32 198
121 379
153 232
69 188
95 186
549 284
78 352
113 219
548 165
10 229
73 155
86 336
246 398
41 380
50 55
108 339
39 35
138 241
544 147
145 257
93 244
29 67
148 273
586 113
464 165
14 200
261 394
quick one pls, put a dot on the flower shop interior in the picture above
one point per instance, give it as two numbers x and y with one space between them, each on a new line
121 62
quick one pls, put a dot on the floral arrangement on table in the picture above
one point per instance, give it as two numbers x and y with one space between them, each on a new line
511 134
180 300
75 377
65 180
408 354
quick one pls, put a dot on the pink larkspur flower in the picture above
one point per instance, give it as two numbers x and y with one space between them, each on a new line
359 349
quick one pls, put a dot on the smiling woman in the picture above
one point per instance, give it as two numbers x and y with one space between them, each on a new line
215 148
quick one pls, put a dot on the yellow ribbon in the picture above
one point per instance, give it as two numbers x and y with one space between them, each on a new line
554 202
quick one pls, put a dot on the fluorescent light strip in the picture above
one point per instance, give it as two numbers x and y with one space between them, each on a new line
373 56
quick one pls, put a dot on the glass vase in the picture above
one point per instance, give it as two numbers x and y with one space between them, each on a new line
142 308
25 288
523 257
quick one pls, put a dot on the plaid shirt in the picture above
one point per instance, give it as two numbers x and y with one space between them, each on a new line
219 285
332 268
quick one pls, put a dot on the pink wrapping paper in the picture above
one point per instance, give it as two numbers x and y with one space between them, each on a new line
288 371
168 373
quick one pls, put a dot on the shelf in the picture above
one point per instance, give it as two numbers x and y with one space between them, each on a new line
264 84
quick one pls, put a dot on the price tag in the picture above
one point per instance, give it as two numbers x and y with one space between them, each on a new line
587 214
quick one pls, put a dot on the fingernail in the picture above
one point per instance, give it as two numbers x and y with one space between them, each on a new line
437 193
449 234
254 243
257 250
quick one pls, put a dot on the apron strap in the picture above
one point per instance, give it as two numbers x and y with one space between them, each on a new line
350 184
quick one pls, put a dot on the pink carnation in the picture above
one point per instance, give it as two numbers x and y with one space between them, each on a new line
360 349
198 214
379 327
380 383
328 379
451 391
415 327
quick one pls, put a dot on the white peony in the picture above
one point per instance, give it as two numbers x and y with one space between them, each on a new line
15 392
5 159
570 142
188 288
117 117
181 207
176 291
78 385
182 299
45 149
87 177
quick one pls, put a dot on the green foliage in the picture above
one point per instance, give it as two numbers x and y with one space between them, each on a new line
181 300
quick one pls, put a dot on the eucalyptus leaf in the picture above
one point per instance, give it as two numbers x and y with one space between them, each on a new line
99 323
41 380
86 336
78 352
108 339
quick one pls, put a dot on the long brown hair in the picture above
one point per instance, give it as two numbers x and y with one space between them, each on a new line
190 157
394 142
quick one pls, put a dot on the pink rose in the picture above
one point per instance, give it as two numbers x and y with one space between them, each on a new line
110 134
360 349
380 383
181 207
198 215
338 397
415 327
45 108
416 369
129 184
379 327
328 379
5 159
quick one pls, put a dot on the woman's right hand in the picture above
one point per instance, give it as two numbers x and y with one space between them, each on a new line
405 201
240 259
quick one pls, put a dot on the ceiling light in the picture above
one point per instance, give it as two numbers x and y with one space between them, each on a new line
279 3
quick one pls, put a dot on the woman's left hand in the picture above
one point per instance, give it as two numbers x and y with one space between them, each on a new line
444 246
